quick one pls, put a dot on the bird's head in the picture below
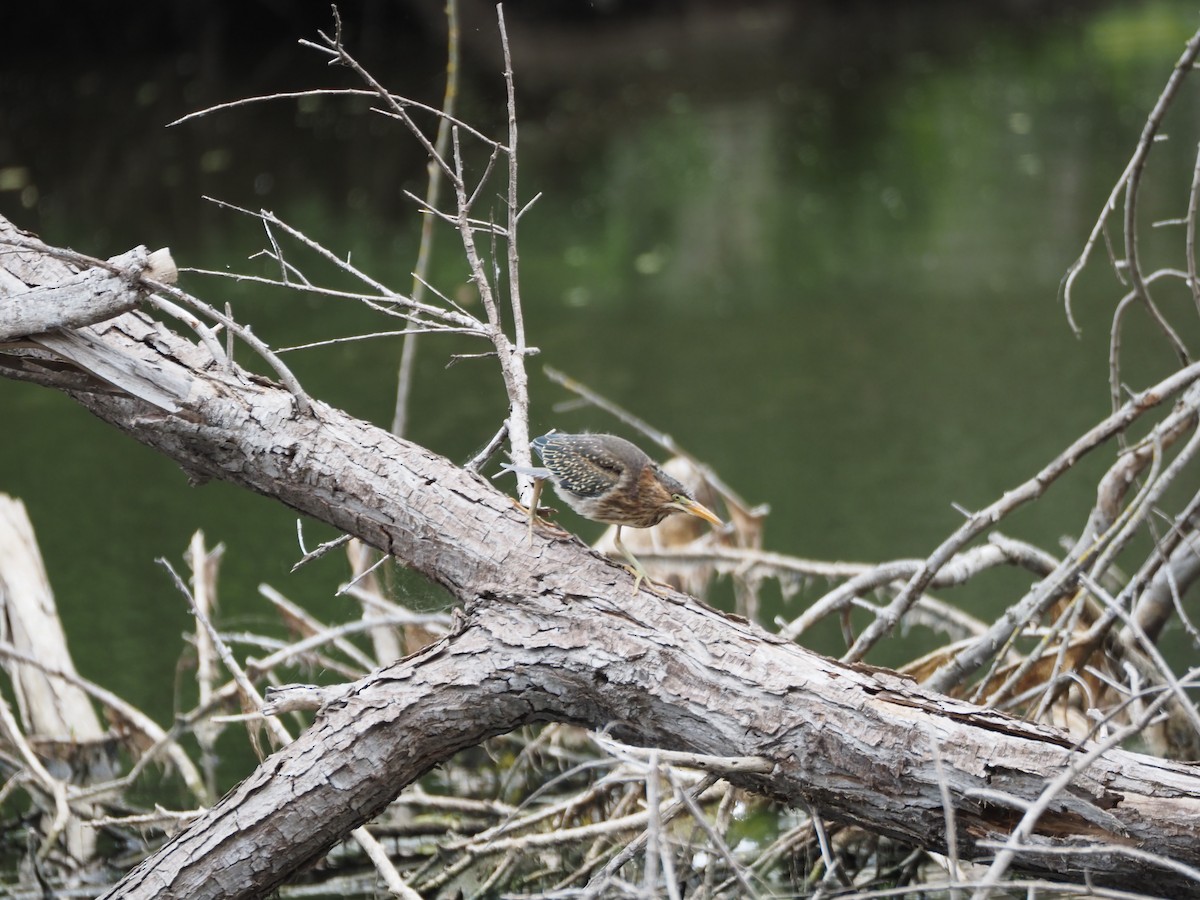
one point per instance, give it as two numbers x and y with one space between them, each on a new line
685 504
677 499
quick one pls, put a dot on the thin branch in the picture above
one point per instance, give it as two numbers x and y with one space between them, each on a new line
990 515
336 92
1132 173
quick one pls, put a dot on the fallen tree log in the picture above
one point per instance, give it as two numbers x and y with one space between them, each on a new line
551 632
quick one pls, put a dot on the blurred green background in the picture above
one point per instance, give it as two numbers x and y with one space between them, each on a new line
819 244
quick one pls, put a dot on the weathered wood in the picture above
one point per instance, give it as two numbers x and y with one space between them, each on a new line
48 307
83 299
60 724
551 633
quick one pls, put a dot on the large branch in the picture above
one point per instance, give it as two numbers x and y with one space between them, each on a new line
552 633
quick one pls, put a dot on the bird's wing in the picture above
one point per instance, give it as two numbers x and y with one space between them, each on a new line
584 466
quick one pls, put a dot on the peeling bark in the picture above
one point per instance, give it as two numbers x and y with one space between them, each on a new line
550 632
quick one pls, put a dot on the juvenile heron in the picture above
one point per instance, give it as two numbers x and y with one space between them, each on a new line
608 479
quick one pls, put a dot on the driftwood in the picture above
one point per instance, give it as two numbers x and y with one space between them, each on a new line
550 632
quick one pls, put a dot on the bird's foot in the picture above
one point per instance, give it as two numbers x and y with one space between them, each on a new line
640 578
539 517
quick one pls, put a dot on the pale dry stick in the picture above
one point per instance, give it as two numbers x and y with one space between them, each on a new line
318 551
309 625
947 815
958 570
334 92
1133 263
719 765
654 851
1176 539
714 838
229 343
207 335
437 622
1089 701
249 639
514 213
415 794
1150 496
131 714
246 688
758 562
164 819
1153 122
1148 647
433 176
383 865
595 887
299 648
444 297
510 358
374 335
38 775
1011 500
1164 591
501 871
514 822
1190 241
457 321
289 381
241 680
386 295
1000 633
1122 474
833 867
721 823
1034 890
204 565
336 48
1114 333
481 226
1104 549
531 842
1136 700
278 254
595 853
359 576
479 460
1075 613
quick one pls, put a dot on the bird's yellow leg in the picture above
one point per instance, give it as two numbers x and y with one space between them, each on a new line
635 568
532 509
533 505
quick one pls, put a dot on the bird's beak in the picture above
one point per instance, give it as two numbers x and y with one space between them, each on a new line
699 510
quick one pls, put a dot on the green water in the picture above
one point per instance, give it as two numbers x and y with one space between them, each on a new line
832 274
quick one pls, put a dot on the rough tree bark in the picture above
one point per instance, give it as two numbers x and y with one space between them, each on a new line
550 632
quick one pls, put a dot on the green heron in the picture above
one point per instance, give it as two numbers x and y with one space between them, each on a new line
607 479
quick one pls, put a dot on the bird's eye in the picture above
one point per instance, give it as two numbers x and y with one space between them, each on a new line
680 498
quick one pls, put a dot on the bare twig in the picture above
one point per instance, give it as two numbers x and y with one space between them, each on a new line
987 517
1131 177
